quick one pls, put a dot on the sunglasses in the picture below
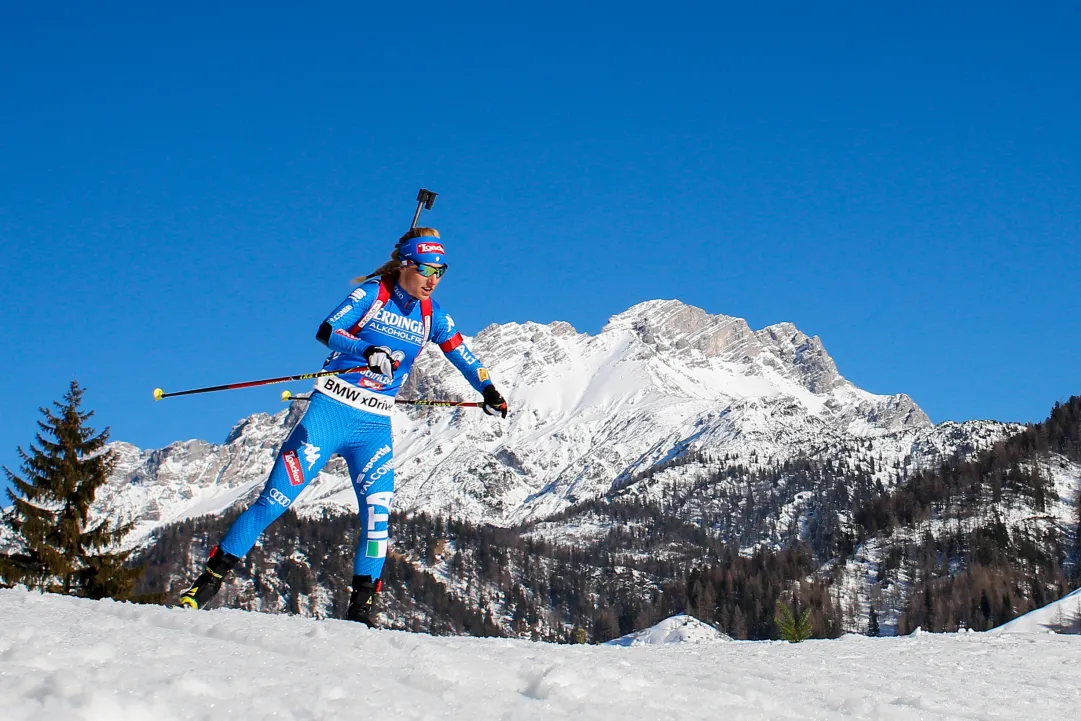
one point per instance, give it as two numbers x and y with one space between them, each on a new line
427 271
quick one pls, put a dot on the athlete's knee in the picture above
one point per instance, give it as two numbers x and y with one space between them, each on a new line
247 528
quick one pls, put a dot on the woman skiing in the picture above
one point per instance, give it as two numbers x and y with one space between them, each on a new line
378 330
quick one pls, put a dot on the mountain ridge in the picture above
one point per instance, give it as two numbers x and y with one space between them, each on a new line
661 379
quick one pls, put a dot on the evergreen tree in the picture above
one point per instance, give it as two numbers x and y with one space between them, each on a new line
59 550
789 627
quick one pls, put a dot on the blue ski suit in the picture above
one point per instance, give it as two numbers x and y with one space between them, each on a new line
349 414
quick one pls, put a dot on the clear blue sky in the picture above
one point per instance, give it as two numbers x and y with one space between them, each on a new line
185 192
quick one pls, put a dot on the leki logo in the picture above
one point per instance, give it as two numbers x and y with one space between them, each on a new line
431 248
292 467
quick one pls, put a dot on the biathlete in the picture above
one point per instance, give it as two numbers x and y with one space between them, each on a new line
379 329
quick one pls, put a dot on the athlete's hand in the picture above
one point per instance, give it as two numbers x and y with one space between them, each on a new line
380 360
493 402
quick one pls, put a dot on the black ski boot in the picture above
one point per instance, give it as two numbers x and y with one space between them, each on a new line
209 582
360 603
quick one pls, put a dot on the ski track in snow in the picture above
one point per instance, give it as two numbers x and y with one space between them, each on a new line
66 658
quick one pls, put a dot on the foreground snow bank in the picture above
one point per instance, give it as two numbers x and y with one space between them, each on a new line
65 658
677 629
1061 616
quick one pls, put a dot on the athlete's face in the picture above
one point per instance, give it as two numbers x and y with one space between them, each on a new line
416 284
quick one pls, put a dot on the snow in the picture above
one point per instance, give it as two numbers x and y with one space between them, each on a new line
1061 616
66 658
677 629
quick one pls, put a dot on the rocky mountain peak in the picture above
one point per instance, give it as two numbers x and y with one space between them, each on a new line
674 325
662 380
670 325
803 355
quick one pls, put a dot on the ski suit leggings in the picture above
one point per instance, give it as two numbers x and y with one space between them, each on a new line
328 427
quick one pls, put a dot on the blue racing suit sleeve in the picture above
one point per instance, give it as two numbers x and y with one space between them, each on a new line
450 342
334 331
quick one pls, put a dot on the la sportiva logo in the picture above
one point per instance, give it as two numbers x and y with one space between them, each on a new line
378 454
431 248
292 468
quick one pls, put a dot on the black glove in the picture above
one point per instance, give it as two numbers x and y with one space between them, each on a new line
493 402
381 361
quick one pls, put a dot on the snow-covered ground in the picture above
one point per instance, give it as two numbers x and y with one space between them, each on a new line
1061 616
677 629
65 658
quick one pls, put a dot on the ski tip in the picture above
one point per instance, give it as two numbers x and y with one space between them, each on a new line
158 394
286 395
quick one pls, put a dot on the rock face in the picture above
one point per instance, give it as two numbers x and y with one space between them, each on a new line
589 415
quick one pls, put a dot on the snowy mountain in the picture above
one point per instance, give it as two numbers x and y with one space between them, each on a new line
67 658
590 415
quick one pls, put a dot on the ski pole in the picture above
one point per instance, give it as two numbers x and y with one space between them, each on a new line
439 404
159 393
288 396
